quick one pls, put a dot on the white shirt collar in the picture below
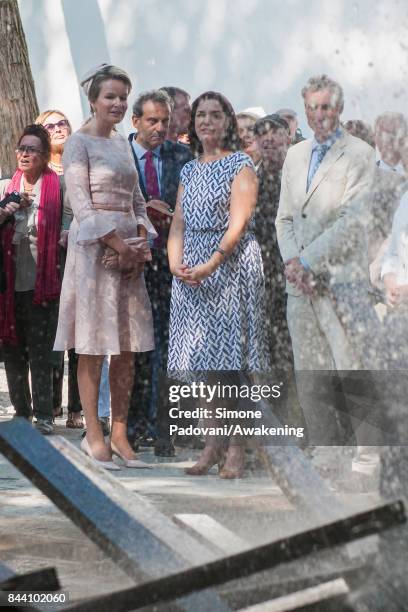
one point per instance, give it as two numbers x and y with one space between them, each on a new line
140 151
399 169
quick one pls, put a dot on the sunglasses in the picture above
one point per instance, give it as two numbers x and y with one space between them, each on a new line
28 149
51 127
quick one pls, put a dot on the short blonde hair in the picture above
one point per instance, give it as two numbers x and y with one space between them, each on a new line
42 117
244 115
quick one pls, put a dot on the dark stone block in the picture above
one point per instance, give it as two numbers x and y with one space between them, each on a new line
249 561
5 572
139 538
41 580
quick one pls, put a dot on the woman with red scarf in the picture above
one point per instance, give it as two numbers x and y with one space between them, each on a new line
29 301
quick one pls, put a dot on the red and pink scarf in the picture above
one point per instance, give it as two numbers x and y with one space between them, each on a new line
47 282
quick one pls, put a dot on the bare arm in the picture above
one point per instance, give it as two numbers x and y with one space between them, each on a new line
175 244
244 192
176 235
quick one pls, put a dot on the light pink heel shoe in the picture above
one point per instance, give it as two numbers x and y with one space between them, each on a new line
130 463
107 465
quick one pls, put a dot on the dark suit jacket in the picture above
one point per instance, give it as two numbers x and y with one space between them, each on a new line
174 155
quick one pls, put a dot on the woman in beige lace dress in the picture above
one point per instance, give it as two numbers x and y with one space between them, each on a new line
104 308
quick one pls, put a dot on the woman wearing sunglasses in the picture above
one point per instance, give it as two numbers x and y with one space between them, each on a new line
29 301
59 129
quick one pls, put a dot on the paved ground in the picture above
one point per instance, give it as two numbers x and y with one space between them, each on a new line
34 533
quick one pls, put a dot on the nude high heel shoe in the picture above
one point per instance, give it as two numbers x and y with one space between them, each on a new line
202 468
234 465
107 465
130 463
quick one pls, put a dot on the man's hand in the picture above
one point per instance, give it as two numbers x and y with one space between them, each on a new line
294 270
297 274
403 293
307 283
397 295
391 289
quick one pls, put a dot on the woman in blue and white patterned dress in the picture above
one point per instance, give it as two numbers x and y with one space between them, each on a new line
217 302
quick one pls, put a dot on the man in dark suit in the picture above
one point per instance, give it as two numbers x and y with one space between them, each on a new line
159 163
180 114
272 137
273 141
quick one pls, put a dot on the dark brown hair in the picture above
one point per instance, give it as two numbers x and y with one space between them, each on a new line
38 130
172 92
158 96
231 140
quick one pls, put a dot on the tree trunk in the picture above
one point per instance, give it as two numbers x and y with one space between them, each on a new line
18 102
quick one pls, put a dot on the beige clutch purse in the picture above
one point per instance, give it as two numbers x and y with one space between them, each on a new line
140 245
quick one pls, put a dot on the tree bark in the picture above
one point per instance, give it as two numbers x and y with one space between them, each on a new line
18 102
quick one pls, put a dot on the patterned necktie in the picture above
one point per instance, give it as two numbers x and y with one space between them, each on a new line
152 182
321 152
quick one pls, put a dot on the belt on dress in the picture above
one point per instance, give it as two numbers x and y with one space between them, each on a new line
111 208
210 230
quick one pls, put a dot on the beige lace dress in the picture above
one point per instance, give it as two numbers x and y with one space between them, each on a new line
101 313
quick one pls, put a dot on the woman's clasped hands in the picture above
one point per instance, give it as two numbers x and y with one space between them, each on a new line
195 275
130 259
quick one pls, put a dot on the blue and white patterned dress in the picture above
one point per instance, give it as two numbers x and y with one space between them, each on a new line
218 325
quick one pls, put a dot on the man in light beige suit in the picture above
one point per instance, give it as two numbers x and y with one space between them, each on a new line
323 214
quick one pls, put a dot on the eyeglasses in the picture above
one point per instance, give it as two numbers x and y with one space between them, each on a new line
28 149
62 124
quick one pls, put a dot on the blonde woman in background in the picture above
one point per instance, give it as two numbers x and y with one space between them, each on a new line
246 120
59 129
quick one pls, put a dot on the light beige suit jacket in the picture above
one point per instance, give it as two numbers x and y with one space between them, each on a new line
327 224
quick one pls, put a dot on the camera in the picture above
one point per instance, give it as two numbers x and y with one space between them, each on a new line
14 196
